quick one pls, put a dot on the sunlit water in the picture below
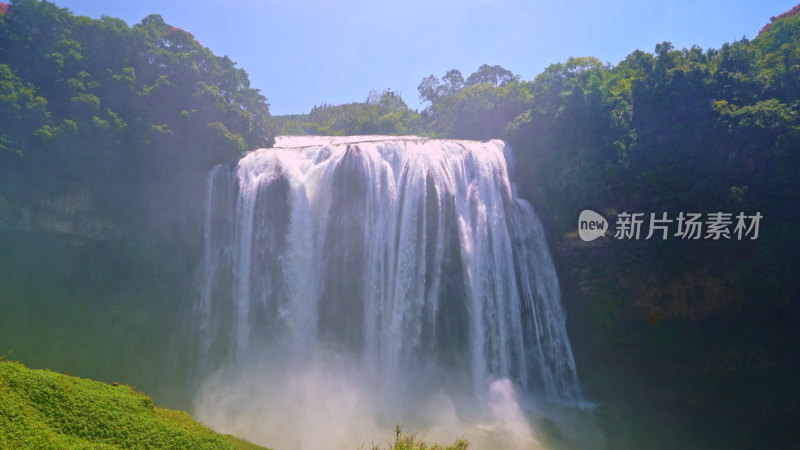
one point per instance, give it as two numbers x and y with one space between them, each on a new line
351 284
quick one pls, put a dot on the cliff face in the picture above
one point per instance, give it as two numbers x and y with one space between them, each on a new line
85 289
72 214
681 350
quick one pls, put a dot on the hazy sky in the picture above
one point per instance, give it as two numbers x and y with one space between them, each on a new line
306 52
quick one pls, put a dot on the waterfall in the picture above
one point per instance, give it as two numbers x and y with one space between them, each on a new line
412 257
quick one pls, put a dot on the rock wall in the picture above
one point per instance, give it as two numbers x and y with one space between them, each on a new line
74 213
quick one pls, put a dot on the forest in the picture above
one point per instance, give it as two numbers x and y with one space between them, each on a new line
127 113
139 114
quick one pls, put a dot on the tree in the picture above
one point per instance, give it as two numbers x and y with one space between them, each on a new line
494 75
452 82
429 89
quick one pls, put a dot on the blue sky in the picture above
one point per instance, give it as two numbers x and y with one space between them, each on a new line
306 52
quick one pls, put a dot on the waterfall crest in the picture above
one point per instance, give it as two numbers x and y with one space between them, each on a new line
411 255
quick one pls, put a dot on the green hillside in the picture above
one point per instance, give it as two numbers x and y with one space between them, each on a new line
43 409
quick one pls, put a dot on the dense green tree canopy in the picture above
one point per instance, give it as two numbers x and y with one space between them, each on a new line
132 116
81 93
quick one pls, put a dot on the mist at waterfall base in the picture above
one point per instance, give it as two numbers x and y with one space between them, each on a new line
351 284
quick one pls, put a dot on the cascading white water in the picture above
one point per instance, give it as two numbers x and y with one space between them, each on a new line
410 257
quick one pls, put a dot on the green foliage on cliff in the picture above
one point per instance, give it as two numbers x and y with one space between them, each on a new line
678 130
706 324
132 117
137 86
99 105
45 409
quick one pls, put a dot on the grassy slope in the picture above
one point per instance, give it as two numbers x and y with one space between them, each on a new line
43 409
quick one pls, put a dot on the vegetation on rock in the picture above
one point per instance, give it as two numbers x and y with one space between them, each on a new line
126 113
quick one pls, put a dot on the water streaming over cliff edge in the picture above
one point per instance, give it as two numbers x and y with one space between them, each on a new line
410 257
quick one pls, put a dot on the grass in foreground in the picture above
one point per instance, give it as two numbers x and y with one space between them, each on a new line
43 409
406 441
